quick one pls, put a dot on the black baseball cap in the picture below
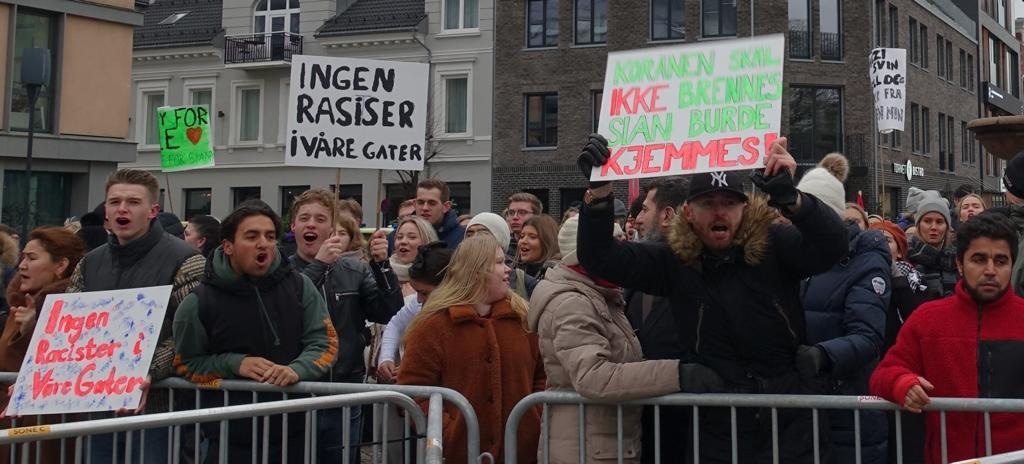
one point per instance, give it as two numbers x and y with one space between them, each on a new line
708 182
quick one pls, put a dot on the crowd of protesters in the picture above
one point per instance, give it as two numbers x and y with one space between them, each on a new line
700 286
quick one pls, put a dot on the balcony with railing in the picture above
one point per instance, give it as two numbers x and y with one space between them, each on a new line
263 50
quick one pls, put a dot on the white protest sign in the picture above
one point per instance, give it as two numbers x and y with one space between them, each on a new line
90 352
686 109
353 113
889 84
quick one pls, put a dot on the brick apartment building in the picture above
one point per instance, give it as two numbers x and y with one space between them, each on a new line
549 70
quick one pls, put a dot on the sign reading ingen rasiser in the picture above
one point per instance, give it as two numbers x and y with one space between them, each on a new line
686 109
90 352
354 113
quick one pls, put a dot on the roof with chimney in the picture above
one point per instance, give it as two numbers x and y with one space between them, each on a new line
176 23
369 16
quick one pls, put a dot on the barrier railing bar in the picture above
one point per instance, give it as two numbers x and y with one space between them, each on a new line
224 413
988 434
434 446
942 436
346 440
657 435
775 436
1005 458
732 434
618 431
856 437
583 434
814 433
696 434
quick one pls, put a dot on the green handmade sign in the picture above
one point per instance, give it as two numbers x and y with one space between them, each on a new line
184 138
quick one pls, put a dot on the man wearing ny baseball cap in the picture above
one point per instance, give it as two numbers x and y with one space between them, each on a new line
733 278
1013 180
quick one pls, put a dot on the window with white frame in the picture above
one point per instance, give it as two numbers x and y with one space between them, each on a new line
275 16
456 104
247 108
461 14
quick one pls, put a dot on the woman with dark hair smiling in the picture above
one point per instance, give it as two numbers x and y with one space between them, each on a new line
538 246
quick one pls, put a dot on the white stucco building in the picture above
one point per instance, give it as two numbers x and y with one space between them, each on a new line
234 55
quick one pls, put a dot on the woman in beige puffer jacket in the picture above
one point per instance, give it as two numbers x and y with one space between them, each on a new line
589 347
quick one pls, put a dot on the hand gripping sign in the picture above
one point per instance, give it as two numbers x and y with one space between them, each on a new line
688 109
184 138
90 352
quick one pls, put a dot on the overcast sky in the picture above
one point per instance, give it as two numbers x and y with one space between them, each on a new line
1018 8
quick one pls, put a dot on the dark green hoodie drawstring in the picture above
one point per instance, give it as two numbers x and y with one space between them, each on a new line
263 309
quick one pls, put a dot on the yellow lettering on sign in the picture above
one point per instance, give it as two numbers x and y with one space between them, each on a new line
33 430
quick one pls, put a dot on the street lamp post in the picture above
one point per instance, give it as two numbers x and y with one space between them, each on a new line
35 72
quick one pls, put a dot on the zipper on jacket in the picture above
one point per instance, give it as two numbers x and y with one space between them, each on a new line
700 323
977 416
266 316
782 312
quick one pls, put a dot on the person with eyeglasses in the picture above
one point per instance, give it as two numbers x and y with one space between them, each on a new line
521 207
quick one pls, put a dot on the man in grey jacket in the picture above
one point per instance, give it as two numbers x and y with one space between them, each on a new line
355 292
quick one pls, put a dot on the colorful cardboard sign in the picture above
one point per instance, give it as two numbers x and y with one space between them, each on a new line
889 85
686 109
184 138
90 352
354 113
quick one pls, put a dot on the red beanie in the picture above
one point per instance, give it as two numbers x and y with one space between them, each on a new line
896 232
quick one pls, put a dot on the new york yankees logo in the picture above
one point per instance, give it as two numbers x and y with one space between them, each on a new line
718 179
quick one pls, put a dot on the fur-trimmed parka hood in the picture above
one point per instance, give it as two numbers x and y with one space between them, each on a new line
752 236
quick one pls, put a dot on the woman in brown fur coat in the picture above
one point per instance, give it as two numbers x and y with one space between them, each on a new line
471 337
48 259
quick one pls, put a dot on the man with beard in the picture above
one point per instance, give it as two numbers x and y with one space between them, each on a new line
733 278
355 292
651 316
969 345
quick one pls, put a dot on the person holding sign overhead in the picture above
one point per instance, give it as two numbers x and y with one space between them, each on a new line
50 256
138 253
255 317
733 278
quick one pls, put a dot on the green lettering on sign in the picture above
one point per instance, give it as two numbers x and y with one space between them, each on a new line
184 138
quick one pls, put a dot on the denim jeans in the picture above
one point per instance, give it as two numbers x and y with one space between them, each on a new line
330 436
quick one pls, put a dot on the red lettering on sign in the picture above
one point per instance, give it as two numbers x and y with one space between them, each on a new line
634 100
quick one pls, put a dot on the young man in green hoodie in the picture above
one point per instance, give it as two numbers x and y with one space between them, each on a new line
253 317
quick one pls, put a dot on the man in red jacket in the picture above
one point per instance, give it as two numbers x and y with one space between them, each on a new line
969 345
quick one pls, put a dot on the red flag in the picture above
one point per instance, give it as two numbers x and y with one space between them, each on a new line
634 190
860 199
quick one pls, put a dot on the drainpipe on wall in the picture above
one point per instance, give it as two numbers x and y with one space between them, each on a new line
430 93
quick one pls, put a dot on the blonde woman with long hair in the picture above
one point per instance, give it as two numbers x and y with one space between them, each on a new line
471 337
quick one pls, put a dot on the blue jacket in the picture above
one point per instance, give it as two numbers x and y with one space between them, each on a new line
845 310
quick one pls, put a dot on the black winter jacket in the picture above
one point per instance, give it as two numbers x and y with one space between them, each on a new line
741 308
846 312
355 293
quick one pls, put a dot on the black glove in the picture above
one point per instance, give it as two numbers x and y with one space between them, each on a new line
811 361
924 255
781 190
595 154
698 378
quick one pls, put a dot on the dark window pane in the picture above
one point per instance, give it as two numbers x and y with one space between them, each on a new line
461 194
541 120
451 14
584 21
49 194
542 23
197 202
33 30
241 194
600 27
831 32
288 195
816 122
551 23
799 29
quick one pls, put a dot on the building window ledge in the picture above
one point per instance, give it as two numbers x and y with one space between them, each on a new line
527 149
454 33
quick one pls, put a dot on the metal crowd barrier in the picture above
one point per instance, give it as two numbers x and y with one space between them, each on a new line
1005 458
78 430
773 402
381 441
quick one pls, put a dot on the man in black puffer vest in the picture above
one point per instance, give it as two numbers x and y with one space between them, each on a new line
139 254
254 317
